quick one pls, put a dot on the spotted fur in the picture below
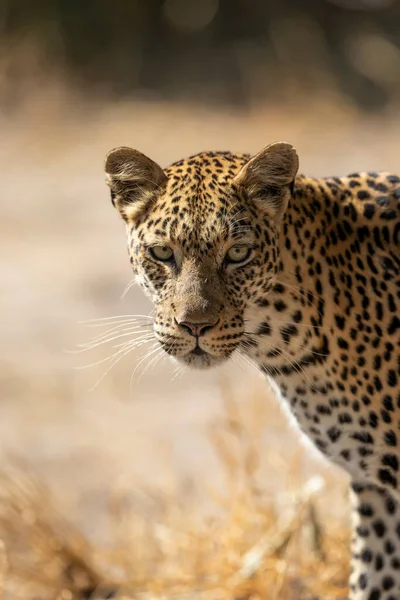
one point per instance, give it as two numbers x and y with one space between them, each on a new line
315 305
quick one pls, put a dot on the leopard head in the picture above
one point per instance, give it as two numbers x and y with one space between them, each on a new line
203 239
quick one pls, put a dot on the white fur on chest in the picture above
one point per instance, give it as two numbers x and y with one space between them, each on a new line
316 426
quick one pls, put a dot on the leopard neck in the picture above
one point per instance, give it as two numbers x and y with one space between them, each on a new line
291 322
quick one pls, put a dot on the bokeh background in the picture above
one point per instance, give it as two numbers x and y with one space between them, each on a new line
170 78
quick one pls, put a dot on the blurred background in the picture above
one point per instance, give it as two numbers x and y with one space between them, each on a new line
170 78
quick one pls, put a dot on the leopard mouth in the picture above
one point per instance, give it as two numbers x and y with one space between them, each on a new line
197 357
197 351
201 359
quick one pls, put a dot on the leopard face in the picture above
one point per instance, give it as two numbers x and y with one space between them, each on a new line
203 239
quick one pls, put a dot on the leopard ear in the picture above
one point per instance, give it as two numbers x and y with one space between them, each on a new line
268 177
134 180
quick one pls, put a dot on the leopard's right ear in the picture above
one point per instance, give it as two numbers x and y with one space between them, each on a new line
134 180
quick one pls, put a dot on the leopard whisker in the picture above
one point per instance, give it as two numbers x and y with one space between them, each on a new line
179 371
117 358
109 338
157 356
131 344
297 366
94 343
129 285
271 320
149 353
294 347
103 321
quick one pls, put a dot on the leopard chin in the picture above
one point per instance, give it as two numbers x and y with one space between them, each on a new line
200 359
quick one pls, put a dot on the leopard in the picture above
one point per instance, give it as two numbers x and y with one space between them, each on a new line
242 255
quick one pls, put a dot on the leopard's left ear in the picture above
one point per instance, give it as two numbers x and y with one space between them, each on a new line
268 177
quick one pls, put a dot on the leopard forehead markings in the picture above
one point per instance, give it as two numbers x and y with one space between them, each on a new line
314 302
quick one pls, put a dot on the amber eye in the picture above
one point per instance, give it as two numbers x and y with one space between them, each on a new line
237 254
162 253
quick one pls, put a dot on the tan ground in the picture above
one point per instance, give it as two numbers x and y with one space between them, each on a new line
158 450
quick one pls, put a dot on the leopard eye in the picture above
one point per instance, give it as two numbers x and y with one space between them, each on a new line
237 254
162 253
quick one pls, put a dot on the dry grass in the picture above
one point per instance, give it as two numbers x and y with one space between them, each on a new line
248 547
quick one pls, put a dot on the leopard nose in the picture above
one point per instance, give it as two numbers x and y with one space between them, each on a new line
197 329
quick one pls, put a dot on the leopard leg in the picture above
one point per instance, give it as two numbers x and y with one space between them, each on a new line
375 567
